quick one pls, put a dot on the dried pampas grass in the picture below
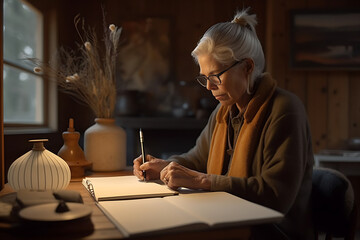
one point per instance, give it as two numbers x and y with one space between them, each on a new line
88 74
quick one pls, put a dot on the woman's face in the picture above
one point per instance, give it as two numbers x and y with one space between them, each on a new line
233 82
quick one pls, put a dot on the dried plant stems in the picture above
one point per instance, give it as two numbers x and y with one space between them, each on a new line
89 73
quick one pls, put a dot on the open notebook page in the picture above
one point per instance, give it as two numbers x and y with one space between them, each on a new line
221 208
150 215
125 187
192 211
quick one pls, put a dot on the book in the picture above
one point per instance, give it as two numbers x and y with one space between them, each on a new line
185 212
124 187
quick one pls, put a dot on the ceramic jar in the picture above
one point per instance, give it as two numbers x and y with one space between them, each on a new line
105 145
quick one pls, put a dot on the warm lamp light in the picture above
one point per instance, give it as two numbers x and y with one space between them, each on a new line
39 169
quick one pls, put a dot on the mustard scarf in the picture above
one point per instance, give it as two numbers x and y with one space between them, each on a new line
249 136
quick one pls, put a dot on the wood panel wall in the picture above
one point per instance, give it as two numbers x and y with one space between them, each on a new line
331 97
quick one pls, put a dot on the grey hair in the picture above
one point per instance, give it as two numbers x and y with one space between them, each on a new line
235 40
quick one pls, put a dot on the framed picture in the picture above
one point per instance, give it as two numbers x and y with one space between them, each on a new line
144 54
325 40
145 66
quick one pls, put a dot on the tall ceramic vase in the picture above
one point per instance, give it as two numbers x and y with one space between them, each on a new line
105 145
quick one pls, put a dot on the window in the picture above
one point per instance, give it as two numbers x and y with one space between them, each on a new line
24 92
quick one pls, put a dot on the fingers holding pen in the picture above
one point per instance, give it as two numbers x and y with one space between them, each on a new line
139 166
152 166
147 164
136 167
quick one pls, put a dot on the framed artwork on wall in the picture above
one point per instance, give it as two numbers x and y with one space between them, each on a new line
325 40
145 52
145 65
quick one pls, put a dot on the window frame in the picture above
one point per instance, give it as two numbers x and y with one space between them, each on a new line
2 158
49 43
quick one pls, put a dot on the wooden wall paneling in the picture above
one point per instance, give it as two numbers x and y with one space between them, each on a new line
269 50
338 109
317 4
277 49
295 80
317 109
192 19
354 105
317 98
189 30
259 8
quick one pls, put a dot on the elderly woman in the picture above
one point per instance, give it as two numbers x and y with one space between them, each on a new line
256 144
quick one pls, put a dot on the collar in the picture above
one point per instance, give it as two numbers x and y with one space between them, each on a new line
266 87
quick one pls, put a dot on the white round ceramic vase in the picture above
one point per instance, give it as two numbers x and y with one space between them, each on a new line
39 169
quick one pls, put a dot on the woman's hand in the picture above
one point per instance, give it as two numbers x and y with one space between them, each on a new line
175 175
152 166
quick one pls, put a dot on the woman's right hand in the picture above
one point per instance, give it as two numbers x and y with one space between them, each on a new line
152 166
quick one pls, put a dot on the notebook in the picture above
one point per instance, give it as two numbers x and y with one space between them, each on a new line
142 208
185 212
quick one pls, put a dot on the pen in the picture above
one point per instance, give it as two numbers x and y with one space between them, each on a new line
142 151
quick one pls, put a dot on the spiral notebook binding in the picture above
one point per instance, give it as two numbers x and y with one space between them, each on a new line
91 188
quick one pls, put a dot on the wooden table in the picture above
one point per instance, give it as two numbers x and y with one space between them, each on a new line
98 225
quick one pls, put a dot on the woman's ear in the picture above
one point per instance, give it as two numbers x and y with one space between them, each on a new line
249 65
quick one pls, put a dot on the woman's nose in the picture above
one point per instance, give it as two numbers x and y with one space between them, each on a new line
210 85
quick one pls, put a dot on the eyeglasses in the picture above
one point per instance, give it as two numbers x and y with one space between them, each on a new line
214 78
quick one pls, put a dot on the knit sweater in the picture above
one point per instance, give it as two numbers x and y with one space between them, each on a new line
279 172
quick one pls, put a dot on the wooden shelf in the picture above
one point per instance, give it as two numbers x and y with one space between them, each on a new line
163 136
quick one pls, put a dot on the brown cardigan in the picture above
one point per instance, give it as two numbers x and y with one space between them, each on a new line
280 170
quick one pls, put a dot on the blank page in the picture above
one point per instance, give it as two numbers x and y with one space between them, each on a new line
139 216
126 187
221 208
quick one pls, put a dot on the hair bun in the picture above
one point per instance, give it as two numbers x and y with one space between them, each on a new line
241 21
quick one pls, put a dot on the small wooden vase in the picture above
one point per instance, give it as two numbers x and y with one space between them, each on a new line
72 153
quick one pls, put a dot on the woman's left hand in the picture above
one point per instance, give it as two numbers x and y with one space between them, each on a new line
175 175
